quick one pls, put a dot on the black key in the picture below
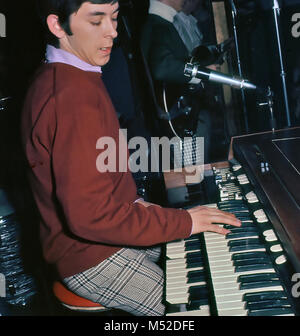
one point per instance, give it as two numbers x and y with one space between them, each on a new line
265 295
244 229
253 261
236 209
257 277
248 223
195 263
249 255
193 258
245 247
191 238
239 212
231 203
270 311
253 267
268 304
244 244
244 225
195 276
256 263
260 284
192 242
241 215
192 246
243 218
195 279
198 291
193 255
242 234
196 304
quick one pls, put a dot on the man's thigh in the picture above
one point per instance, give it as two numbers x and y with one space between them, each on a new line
128 280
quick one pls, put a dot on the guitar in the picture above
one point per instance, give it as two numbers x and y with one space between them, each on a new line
179 106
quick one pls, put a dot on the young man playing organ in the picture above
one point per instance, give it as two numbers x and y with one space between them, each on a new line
102 239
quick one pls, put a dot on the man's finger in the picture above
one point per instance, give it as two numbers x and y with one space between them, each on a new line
217 229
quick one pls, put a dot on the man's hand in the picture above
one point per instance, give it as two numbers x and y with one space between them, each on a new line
205 219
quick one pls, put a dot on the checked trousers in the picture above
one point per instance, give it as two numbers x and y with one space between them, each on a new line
129 280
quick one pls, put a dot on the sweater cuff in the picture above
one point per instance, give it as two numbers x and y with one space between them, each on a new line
187 218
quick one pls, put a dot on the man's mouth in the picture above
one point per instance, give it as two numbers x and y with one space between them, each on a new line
106 49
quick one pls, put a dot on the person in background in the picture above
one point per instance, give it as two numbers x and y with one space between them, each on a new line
170 39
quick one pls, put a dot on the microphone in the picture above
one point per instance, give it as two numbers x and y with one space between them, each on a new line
195 71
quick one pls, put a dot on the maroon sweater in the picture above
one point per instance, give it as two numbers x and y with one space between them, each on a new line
86 216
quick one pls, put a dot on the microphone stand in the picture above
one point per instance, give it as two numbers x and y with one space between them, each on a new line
269 101
234 14
276 12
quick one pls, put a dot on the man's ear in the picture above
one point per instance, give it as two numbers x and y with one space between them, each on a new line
54 26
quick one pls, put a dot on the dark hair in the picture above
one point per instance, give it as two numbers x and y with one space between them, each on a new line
63 9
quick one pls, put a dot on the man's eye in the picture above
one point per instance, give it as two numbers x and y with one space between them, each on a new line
95 23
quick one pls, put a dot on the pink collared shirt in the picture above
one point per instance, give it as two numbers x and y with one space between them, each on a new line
57 55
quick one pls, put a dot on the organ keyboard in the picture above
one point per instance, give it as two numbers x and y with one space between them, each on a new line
250 270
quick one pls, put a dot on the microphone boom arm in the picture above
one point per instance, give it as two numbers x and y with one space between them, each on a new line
194 71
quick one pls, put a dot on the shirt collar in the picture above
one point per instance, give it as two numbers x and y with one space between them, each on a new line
162 10
56 55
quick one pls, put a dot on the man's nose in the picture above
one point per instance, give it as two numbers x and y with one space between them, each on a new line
112 30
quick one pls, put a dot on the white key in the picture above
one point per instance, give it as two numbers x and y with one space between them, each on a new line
173 280
181 243
233 312
177 298
220 259
230 305
203 311
227 292
219 277
172 273
184 286
179 254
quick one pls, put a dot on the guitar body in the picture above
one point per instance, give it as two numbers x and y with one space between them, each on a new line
180 105
194 110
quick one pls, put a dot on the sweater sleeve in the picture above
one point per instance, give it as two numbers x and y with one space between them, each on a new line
89 199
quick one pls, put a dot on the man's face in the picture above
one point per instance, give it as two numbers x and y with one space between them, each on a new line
176 4
189 6
94 29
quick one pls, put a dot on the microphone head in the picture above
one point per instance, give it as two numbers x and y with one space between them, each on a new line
190 70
